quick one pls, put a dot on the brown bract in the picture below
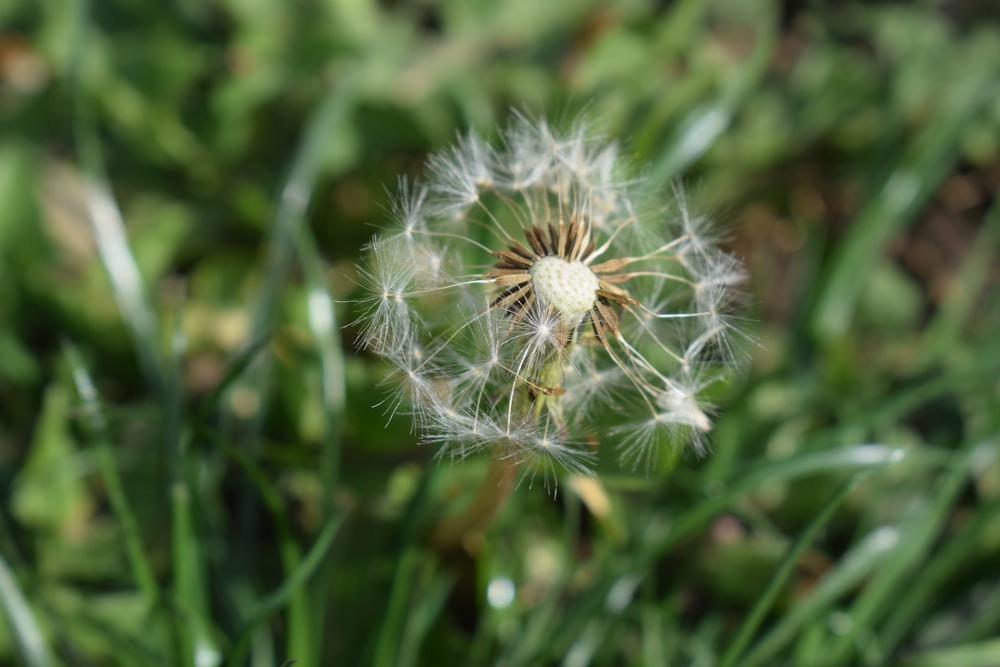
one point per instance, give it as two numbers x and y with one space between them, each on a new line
572 243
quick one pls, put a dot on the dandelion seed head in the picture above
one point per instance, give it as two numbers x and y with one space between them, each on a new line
531 299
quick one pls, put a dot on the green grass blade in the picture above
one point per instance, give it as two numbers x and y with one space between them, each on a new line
983 654
31 643
326 337
656 643
987 618
917 532
852 568
432 596
918 598
943 333
703 125
190 576
663 530
126 280
859 457
142 569
106 218
236 367
920 168
287 232
783 574
537 637
547 616
288 547
189 585
281 596
296 195
393 622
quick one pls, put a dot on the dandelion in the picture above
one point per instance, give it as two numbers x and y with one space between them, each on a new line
529 296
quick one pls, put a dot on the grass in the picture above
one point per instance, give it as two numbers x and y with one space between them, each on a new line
192 469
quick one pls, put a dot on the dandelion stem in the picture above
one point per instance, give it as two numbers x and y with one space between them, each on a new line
452 531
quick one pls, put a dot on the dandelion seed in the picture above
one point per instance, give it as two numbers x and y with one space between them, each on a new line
527 300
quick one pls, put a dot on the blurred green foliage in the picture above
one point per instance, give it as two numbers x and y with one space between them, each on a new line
191 467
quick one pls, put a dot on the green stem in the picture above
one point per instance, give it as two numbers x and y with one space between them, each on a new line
452 531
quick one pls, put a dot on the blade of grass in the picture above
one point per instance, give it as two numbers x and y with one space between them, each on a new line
763 604
289 220
917 532
538 629
323 324
919 596
920 168
655 642
433 594
540 626
188 578
987 618
32 646
190 581
288 547
973 364
296 194
979 362
142 570
661 532
281 596
126 647
235 369
859 457
106 218
390 629
581 652
699 129
943 332
852 568
983 654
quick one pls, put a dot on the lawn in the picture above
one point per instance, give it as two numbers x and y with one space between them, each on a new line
200 465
